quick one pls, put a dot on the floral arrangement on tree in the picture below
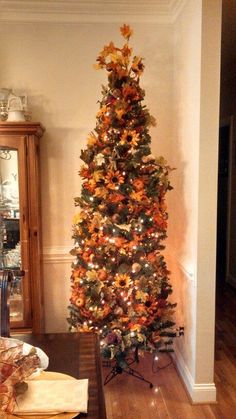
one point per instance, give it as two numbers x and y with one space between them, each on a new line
120 283
15 368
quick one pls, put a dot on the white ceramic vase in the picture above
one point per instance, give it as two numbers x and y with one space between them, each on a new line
16 116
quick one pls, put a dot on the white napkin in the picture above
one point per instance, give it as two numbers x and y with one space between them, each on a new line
53 396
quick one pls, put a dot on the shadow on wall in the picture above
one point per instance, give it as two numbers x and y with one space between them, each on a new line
177 242
60 183
56 296
60 151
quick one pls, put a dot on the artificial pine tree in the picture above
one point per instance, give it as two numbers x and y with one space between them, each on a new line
120 283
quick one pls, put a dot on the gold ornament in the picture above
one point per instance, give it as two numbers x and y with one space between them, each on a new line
118 311
147 159
136 267
80 302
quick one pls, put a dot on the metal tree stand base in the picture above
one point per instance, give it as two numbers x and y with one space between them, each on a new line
116 370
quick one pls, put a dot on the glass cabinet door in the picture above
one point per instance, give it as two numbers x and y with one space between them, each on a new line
13 228
10 246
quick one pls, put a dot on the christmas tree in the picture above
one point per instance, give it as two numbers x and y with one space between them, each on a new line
120 281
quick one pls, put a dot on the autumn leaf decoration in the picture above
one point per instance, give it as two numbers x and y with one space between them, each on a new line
118 60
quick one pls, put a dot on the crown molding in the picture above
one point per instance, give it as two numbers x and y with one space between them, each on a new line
73 11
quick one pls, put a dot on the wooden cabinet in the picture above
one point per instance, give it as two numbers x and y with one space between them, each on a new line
20 221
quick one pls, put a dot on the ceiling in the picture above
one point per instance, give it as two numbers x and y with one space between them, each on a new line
162 11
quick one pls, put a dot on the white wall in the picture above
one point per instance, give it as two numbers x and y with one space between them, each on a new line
53 64
185 152
193 203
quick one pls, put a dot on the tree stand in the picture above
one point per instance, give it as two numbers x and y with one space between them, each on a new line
117 369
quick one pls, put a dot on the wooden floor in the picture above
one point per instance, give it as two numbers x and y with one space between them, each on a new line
128 398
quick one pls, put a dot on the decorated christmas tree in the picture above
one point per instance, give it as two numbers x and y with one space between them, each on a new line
120 281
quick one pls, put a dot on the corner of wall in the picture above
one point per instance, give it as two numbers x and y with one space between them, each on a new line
198 393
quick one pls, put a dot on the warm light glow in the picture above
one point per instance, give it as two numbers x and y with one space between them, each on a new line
116 247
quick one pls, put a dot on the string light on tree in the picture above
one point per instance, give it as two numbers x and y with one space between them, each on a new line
120 282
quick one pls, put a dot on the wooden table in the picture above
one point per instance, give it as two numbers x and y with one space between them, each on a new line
76 354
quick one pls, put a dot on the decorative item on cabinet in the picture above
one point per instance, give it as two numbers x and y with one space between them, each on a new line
4 95
17 108
13 107
20 220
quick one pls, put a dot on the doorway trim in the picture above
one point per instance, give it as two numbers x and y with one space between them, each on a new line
229 121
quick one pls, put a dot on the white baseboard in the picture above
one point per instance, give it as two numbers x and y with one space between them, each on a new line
198 393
